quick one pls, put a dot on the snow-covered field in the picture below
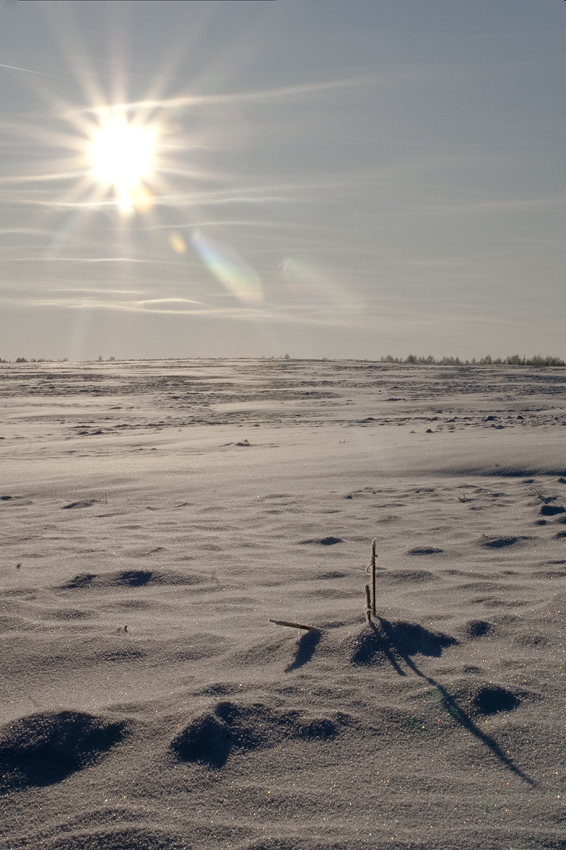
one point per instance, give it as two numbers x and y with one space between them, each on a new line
155 516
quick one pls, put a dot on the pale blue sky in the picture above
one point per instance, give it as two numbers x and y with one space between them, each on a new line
340 178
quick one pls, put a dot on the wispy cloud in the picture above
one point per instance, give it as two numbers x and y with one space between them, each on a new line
274 224
24 231
94 291
96 260
48 177
273 315
27 70
155 301
230 97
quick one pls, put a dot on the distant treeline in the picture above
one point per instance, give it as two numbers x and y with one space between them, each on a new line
513 360
25 360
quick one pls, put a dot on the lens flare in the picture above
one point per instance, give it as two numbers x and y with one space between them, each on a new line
177 243
229 268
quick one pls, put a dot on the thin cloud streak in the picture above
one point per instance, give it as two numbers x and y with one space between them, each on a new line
170 301
26 231
87 261
91 260
177 201
236 97
46 178
28 71
96 290
295 314
243 222
183 201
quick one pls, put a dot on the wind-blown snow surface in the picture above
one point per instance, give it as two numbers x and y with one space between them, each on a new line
156 515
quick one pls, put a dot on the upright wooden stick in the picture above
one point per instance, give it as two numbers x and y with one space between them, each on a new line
368 605
373 602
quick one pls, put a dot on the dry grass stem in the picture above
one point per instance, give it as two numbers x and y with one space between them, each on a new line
373 602
542 498
291 625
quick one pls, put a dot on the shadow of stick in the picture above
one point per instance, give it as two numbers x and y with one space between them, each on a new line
448 701
305 649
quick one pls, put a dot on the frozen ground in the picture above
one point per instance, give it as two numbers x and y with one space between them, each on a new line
156 515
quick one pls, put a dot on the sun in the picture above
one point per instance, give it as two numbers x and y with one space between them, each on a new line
122 156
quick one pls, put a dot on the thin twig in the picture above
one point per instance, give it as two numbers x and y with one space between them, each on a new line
536 492
291 625
368 605
373 603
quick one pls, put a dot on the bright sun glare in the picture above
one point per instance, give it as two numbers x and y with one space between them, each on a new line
122 156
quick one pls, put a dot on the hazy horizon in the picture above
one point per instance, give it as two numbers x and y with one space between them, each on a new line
314 177
537 360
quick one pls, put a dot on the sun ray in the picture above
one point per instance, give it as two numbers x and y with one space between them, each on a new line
64 29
